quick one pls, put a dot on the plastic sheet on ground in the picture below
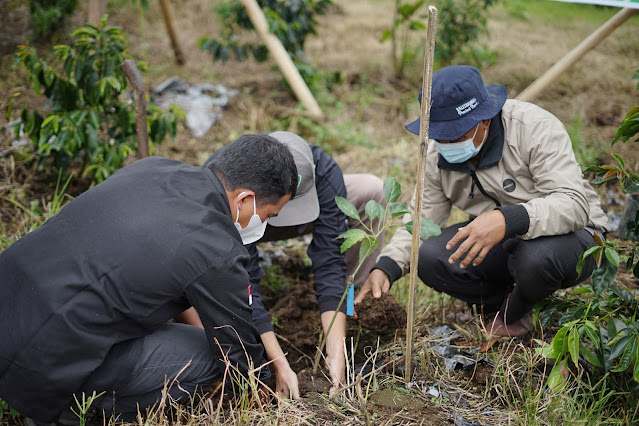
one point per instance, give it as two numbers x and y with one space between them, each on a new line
442 339
202 103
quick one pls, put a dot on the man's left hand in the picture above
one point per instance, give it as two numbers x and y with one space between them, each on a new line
336 367
335 361
477 238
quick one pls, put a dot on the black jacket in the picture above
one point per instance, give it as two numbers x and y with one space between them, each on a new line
327 261
116 263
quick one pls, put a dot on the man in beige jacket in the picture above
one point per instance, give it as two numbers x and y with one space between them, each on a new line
510 166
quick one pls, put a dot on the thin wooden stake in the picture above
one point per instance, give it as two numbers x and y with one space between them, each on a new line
423 145
170 28
135 78
284 61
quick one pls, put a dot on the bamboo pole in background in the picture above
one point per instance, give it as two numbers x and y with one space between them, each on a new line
575 54
284 61
167 14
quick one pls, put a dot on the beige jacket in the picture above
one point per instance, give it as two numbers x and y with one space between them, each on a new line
535 168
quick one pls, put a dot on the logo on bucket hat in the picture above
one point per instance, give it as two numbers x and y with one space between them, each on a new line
460 100
304 208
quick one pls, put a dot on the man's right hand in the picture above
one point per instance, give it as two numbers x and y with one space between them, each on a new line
286 385
377 282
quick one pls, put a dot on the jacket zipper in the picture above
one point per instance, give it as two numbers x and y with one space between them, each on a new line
481 188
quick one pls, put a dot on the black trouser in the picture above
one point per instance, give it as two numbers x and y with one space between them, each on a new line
515 274
176 354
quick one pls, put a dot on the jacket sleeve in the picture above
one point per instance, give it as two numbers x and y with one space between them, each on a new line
394 259
328 262
220 296
261 318
545 146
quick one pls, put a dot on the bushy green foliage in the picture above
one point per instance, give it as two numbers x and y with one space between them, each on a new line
47 14
459 25
85 119
291 21
601 326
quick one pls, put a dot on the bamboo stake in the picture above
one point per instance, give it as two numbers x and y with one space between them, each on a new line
423 144
284 61
167 14
134 76
575 54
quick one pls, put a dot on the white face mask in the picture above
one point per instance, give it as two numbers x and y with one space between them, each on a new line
255 228
459 152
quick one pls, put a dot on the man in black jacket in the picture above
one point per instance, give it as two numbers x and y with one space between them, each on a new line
87 296
314 211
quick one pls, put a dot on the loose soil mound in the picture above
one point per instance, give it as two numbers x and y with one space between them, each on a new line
381 314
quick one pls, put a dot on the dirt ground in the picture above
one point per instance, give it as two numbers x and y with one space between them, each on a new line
363 129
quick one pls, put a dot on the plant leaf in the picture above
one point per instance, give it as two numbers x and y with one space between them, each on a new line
589 356
373 210
397 210
629 353
428 228
351 237
368 246
573 345
612 256
392 189
559 344
603 276
347 207
618 345
556 379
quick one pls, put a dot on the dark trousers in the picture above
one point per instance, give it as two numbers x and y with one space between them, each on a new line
515 274
151 360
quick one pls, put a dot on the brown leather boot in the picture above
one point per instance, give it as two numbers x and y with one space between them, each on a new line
497 327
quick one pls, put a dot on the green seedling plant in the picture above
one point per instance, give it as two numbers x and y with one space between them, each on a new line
461 23
382 218
84 406
85 120
601 326
406 19
7 412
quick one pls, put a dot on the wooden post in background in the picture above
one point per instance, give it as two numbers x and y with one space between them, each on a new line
97 8
167 13
135 78
284 61
575 54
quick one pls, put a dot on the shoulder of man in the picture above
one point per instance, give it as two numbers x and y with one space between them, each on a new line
525 112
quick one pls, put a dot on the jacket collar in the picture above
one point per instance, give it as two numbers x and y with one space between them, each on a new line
490 153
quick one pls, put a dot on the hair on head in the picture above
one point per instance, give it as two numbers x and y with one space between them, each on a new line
260 163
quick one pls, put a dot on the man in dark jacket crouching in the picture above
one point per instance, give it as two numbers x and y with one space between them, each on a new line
85 299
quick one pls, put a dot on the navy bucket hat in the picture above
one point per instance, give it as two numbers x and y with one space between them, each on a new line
460 100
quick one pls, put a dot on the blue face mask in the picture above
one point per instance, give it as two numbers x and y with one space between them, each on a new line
459 152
